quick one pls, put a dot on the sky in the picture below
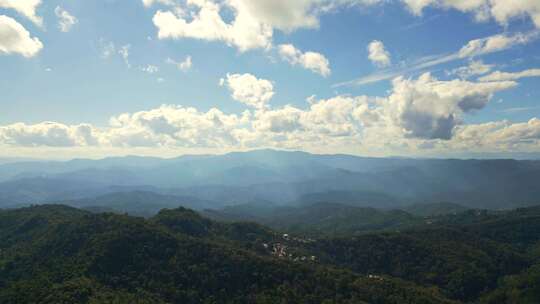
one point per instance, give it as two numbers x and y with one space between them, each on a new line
419 78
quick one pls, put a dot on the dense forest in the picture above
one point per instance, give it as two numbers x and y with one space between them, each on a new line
60 254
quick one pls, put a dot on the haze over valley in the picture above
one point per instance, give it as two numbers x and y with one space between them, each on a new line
270 151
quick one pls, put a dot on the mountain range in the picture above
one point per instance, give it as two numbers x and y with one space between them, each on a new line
280 177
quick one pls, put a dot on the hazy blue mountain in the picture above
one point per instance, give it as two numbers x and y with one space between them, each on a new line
139 203
50 168
39 190
9 160
282 177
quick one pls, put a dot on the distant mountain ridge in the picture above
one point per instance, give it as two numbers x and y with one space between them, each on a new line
281 177
138 203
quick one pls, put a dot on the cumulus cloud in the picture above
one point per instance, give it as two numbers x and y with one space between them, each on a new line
502 76
175 126
26 8
429 108
503 10
49 134
417 109
253 22
500 10
245 32
65 20
326 121
184 65
249 90
476 6
313 61
284 120
378 54
499 135
15 39
418 114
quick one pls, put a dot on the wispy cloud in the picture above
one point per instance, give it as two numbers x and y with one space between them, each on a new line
519 109
472 49
416 66
184 65
65 20
124 52
420 23
501 76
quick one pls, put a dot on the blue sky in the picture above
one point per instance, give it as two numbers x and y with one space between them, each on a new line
167 77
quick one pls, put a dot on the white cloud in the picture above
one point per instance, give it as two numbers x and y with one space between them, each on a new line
338 117
184 65
415 110
503 10
244 32
429 108
287 16
378 54
284 15
26 8
499 136
312 61
50 134
253 22
501 76
15 39
476 6
418 115
324 120
175 126
65 20
249 90
150 69
500 10
475 68
284 120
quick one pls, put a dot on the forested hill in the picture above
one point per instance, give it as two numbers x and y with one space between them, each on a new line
59 254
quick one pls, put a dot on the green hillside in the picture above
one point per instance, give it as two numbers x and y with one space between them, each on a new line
56 254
